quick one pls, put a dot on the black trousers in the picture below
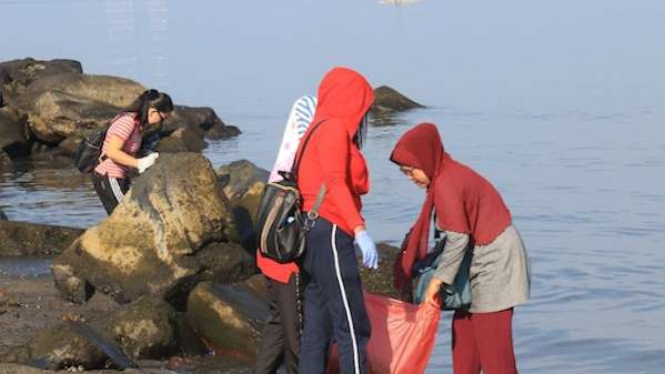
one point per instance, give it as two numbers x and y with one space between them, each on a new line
280 341
334 303
110 190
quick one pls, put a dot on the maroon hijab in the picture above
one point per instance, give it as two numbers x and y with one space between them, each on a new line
420 148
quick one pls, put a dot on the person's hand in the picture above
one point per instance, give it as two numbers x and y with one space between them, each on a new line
368 249
146 162
432 294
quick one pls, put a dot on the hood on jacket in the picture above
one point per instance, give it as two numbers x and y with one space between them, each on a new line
345 95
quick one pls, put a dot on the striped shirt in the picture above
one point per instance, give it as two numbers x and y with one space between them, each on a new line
126 127
299 120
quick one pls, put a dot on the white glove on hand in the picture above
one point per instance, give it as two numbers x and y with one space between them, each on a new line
146 162
368 249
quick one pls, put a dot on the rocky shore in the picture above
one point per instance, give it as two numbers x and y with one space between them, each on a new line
168 282
47 107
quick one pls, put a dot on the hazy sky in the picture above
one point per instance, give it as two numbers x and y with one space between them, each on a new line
542 56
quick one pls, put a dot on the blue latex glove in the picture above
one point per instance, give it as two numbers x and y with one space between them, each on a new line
368 249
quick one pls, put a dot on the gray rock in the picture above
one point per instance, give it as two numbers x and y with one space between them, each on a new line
28 239
225 263
14 133
114 91
55 115
199 120
146 329
63 105
63 346
149 244
181 140
17 75
228 317
243 184
70 145
243 176
388 100
380 281
90 101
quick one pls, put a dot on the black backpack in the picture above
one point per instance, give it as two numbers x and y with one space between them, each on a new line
281 227
89 152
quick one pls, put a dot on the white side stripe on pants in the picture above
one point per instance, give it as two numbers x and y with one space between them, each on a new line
356 363
115 187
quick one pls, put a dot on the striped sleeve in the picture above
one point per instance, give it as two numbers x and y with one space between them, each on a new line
122 127
305 108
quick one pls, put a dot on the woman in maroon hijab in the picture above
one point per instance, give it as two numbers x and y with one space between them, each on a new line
474 218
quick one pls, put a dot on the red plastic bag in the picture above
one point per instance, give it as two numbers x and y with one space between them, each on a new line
403 336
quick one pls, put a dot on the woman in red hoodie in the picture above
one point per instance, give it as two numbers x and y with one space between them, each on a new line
474 218
334 306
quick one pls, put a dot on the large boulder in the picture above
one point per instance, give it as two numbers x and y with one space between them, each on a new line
152 242
114 91
28 239
17 75
81 102
199 120
388 100
55 115
14 133
242 177
146 329
63 105
181 140
229 318
243 183
64 346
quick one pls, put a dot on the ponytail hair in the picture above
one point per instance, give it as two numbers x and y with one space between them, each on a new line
150 99
361 135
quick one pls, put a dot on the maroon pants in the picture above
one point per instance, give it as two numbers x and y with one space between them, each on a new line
483 341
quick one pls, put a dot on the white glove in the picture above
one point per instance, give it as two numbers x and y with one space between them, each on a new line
368 249
146 162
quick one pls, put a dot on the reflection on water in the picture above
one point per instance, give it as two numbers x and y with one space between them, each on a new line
398 2
138 38
122 35
49 194
386 120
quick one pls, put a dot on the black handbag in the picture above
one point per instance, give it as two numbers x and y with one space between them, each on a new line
89 152
281 226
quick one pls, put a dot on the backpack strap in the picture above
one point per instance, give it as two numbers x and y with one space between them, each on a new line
298 158
313 214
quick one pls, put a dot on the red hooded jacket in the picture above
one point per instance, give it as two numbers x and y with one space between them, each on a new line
331 155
